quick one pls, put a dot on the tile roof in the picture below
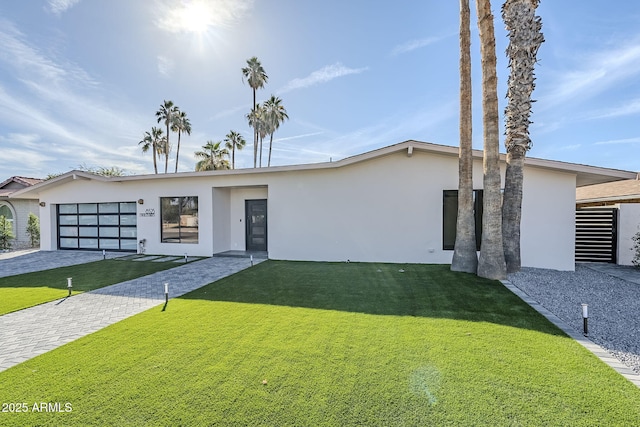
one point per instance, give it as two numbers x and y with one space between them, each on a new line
628 188
22 181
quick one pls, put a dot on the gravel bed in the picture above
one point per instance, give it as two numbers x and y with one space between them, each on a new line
614 306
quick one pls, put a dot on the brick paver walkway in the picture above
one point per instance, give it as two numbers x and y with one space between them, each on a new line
28 333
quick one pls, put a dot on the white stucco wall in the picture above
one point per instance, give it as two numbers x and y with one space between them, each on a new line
386 209
628 226
547 231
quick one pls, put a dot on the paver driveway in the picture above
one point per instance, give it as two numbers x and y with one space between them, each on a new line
28 333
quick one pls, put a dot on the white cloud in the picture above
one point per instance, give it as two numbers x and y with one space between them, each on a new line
628 109
598 71
635 140
197 16
413 45
61 104
59 6
165 66
322 75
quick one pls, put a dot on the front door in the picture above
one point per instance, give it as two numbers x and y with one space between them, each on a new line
256 221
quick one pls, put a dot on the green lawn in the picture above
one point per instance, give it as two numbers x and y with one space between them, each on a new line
339 344
26 290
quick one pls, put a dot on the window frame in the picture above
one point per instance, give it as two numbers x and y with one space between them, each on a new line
448 234
182 237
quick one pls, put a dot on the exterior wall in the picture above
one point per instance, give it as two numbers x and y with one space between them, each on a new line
21 209
385 209
148 213
547 231
628 226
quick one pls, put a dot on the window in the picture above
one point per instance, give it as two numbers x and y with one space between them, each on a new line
179 219
450 216
6 212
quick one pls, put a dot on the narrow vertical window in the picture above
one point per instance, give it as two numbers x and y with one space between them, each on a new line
450 217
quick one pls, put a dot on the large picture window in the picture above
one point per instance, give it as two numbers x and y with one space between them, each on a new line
179 219
450 217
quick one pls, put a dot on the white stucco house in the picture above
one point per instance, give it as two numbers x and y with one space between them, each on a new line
394 204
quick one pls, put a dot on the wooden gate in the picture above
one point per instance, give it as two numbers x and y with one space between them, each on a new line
596 234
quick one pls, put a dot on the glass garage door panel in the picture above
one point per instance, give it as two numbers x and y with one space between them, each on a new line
111 226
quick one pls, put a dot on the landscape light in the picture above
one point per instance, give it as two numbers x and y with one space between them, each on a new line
585 317
186 259
166 293
69 285
104 254
251 256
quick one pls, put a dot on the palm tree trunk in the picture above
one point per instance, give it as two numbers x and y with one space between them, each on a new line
166 151
155 163
270 145
525 38
512 208
491 263
233 156
255 133
178 151
465 257
261 138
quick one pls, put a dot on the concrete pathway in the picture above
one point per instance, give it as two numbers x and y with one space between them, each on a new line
20 262
28 333
624 272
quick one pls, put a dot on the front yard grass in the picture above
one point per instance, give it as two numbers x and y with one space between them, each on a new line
26 290
338 345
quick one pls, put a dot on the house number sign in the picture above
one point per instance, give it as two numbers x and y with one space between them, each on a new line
148 213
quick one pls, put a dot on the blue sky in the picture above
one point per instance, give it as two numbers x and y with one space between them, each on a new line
80 80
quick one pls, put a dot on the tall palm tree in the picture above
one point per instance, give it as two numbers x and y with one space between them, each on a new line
256 119
180 124
525 37
166 113
212 157
256 77
151 141
234 141
491 263
275 114
465 257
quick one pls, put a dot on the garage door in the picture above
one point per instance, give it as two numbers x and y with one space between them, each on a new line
86 226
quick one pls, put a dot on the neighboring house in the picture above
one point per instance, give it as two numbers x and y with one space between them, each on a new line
17 210
395 204
608 217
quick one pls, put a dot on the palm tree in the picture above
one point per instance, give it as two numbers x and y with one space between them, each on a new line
256 119
212 157
180 124
151 141
256 77
234 141
525 38
275 114
491 263
465 257
166 113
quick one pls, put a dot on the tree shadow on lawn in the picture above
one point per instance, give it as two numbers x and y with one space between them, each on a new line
420 290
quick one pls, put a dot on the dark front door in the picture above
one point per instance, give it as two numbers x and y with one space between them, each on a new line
256 220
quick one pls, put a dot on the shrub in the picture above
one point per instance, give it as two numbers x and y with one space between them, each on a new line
636 250
6 233
33 229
